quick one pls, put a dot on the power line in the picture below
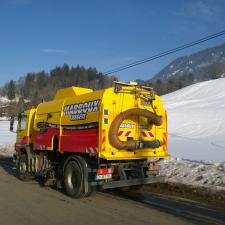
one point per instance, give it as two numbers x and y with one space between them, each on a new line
162 54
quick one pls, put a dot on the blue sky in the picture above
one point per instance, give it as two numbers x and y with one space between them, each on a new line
39 35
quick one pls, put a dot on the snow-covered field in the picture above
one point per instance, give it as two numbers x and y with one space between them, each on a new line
196 134
196 121
7 139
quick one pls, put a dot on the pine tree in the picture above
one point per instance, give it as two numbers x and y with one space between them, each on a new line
11 90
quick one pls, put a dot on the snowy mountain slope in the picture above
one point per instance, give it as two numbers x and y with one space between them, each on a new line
195 64
196 121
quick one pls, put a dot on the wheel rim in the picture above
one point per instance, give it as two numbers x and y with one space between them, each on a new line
72 181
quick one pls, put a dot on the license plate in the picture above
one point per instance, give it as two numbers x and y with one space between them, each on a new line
103 176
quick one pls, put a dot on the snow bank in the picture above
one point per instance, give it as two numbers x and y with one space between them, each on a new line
196 121
7 139
194 173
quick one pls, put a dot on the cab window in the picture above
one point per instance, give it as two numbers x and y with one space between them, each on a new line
22 123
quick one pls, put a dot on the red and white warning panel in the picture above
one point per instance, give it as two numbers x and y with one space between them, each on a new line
147 134
92 150
123 133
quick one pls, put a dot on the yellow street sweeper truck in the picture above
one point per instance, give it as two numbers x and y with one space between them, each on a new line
85 140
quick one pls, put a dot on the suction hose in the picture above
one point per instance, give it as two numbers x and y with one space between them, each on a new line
132 144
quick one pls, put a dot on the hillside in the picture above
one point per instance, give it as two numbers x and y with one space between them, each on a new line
203 65
196 121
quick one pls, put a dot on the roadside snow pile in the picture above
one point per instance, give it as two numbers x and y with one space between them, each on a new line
196 121
194 173
7 139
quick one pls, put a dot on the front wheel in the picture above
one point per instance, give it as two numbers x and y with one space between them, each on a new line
22 169
73 180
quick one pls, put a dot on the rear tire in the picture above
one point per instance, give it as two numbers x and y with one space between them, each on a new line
22 169
73 180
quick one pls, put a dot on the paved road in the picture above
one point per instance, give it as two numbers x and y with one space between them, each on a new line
29 204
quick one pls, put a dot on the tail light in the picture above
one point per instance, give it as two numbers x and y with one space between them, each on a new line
104 171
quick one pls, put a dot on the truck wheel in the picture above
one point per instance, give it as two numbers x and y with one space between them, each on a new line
22 169
73 180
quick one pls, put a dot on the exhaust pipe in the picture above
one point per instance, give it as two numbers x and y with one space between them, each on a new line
132 144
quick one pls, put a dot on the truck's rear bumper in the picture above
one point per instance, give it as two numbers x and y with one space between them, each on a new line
133 182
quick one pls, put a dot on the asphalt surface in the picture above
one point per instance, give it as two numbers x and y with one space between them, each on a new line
27 203
195 211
